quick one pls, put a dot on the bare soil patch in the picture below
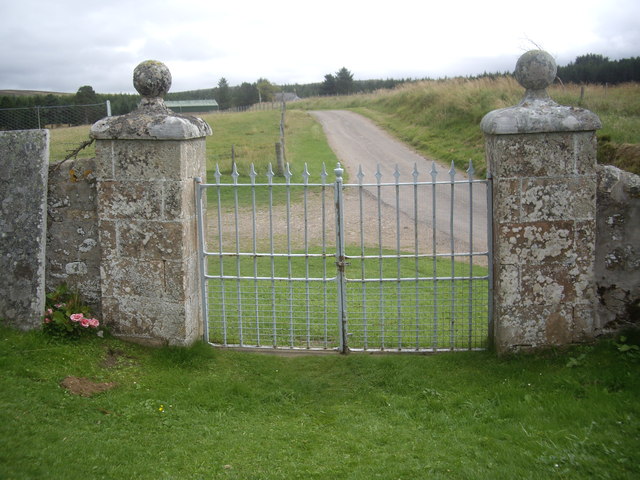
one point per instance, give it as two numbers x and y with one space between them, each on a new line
85 387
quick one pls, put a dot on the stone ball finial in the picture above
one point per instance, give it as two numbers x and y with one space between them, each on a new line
536 70
152 79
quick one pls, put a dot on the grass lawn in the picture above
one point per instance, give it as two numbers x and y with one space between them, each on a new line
389 314
205 413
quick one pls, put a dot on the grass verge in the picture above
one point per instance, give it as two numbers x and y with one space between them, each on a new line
204 413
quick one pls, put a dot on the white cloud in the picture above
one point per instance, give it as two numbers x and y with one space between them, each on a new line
66 44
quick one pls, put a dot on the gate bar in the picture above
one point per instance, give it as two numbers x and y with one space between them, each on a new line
202 258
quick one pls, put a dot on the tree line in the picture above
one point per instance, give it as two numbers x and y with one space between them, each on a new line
590 68
120 102
593 68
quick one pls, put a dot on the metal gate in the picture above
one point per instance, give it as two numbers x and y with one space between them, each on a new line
398 263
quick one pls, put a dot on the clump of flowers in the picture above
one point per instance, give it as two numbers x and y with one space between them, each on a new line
66 316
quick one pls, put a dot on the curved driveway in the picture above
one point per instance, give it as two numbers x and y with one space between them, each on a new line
357 141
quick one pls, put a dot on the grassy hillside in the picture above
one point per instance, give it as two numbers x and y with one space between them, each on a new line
441 118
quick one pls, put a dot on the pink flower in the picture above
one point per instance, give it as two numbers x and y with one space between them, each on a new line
84 322
47 320
77 317
49 311
93 322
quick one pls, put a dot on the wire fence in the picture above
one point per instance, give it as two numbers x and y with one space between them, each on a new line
52 116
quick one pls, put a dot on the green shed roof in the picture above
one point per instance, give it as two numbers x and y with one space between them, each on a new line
191 103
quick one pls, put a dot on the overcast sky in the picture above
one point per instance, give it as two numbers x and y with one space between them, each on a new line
64 44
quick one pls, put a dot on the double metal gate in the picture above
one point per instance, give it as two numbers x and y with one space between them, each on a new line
394 264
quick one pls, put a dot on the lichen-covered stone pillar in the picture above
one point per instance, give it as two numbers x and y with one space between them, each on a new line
24 161
146 163
542 158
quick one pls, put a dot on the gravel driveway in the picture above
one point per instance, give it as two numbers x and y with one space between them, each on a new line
357 141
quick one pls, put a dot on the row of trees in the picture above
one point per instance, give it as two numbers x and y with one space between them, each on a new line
227 96
120 103
84 107
592 68
342 83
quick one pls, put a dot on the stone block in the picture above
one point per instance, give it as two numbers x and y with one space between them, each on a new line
507 199
24 161
535 243
585 145
151 321
190 149
558 198
547 285
108 238
151 240
147 160
154 279
104 156
507 279
532 326
532 155
130 199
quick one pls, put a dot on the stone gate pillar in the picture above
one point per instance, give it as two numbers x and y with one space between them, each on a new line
542 158
146 162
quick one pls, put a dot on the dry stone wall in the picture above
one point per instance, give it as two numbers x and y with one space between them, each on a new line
617 260
73 248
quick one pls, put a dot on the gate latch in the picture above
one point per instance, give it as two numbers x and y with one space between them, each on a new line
341 263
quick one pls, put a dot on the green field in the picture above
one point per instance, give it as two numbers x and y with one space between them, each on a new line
426 310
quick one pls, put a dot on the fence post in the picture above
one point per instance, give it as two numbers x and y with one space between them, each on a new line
279 159
146 163
542 158
282 125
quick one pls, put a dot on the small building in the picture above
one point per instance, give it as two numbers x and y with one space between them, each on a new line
192 106
286 97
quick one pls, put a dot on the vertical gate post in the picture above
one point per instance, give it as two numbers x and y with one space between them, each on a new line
340 261
146 163
542 159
